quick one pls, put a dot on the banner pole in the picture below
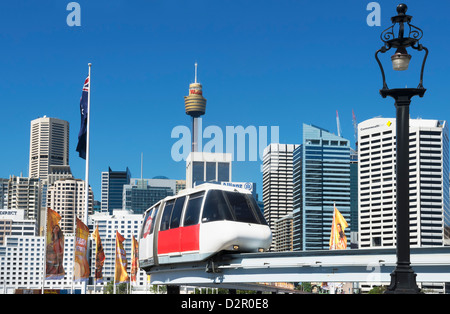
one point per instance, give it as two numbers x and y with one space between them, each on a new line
86 183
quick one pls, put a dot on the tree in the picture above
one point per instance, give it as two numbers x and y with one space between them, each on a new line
121 288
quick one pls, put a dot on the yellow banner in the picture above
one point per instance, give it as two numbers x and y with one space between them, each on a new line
99 257
338 240
134 259
120 274
81 270
54 256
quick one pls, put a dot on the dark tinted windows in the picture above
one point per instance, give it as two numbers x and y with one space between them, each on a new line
176 212
193 209
216 207
241 207
165 219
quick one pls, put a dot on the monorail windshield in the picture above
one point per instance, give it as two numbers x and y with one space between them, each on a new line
234 206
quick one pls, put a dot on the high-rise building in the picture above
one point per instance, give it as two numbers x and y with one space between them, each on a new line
207 167
321 181
283 234
49 145
4 193
67 198
141 194
354 199
277 182
112 189
23 193
428 182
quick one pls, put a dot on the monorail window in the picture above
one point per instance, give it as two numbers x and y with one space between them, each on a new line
155 212
241 207
165 219
193 209
147 224
215 207
176 212
256 208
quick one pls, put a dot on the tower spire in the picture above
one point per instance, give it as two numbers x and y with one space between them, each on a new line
195 105
195 72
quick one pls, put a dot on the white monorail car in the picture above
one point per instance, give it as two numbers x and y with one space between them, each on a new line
198 223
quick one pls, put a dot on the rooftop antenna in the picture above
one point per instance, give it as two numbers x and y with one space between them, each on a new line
142 163
338 124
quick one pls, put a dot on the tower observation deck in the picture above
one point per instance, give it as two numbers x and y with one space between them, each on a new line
195 106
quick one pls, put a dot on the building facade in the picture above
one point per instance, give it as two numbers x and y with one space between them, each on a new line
141 194
49 145
128 225
283 234
112 189
429 183
67 198
23 193
277 182
207 167
321 181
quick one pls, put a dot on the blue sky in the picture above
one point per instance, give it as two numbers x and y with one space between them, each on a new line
262 63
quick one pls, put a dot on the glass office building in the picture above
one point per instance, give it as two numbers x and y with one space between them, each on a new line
141 194
321 177
112 189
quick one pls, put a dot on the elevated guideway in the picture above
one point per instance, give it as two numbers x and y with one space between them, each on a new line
362 265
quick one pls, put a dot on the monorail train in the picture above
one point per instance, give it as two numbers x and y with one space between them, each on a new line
198 223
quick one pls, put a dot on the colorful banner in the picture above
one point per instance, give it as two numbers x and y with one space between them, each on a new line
81 268
134 259
338 240
54 256
120 274
99 257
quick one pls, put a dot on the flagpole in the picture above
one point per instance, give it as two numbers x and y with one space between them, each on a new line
333 226
86 186
45 251
115 265
85 218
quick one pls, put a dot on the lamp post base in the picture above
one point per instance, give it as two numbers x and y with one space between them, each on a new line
403 281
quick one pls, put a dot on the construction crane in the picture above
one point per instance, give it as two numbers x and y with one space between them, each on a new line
355 129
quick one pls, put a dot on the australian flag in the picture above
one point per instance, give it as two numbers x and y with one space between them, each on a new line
82 135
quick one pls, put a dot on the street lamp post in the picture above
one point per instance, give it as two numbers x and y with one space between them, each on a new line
403 278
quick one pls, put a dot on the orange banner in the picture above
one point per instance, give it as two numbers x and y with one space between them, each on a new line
134 259
99 257
54 256
338 240
81 270
120 274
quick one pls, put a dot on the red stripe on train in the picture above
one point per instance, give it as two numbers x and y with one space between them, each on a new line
180 239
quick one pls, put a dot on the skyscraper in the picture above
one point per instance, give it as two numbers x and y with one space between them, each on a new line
428 183
49 145
112 189
67 198
277 182
321 180
141 194
23 193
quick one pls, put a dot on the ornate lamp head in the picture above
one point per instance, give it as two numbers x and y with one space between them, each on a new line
401 35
